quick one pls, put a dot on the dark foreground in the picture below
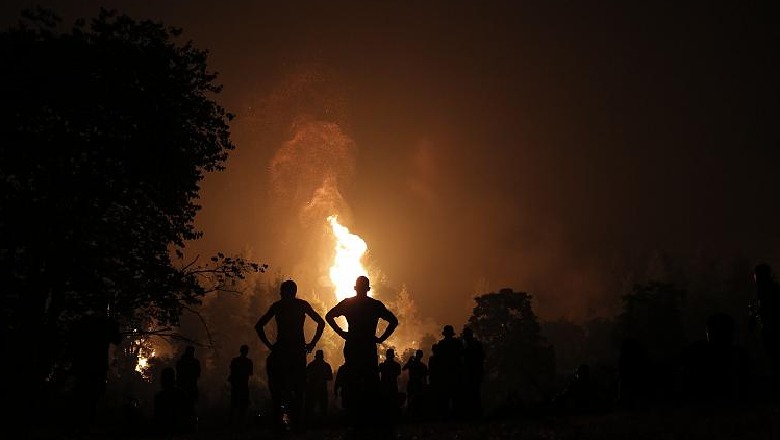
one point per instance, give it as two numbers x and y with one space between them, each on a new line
712 424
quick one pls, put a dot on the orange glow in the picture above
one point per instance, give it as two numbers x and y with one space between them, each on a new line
347 264
145 353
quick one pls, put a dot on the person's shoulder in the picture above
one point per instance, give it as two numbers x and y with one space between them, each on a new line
344 303
302 302
274 305
375 302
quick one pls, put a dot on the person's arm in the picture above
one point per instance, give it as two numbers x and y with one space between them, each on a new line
320 327
259 327
329 374
330 317
392 323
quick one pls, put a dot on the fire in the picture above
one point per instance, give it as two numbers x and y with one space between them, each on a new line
347 266
145 353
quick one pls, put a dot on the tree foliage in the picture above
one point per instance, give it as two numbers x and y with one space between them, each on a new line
108 129
653 314
518 357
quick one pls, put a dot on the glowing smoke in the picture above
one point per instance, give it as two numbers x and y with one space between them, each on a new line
310 174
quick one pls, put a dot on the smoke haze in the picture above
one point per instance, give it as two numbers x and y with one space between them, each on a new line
474 146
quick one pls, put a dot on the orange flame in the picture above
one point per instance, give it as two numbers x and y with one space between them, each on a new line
347 265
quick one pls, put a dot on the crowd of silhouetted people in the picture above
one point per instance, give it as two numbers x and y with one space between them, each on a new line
445 386
712 371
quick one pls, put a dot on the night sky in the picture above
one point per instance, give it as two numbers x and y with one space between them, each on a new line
481 145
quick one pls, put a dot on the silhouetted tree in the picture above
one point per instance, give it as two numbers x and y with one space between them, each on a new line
652 315
517 356
568 341
108 129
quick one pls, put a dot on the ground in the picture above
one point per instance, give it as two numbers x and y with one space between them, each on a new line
762 422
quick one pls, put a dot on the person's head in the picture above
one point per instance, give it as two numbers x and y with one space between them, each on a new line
467 332
319 354
168 378
419 354
189 351
390 353
720 329
288 289
583 372
362 286
449 331
244 350
762 275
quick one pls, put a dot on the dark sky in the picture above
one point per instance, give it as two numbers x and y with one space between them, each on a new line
492 144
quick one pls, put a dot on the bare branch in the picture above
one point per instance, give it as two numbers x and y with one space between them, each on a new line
203 321
184 269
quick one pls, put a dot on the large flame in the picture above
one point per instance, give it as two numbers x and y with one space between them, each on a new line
347 265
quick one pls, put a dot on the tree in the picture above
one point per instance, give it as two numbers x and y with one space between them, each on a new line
518 358
108 129
407 338
569 342
653 315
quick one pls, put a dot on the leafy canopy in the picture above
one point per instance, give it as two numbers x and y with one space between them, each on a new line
108 129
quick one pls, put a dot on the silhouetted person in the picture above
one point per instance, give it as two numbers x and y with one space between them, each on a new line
389 371
362 382
766 318
716 370
695 375
339 386
449 364
473 373
241 369
318 374
89 342
730 362
286 364
435 383
578 396
188 373
172 406
417 383
633 374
